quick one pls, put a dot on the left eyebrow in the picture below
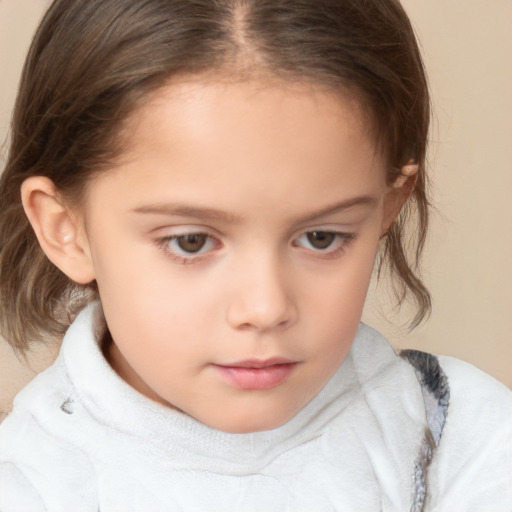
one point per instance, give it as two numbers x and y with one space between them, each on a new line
361 201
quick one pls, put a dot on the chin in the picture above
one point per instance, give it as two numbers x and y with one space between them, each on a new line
243 419
248 427
248 423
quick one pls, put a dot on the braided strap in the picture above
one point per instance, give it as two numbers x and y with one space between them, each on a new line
436 396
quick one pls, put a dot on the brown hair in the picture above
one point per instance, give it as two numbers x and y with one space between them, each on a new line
92 61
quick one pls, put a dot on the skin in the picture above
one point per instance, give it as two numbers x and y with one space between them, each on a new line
255 167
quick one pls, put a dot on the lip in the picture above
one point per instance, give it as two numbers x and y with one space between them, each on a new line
256 373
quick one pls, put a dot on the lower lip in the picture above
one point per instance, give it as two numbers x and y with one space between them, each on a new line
256 378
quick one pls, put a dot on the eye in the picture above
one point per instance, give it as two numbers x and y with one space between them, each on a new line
324 241
186 247
321 239
190 244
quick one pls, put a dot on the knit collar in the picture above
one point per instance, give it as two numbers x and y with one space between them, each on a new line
111 401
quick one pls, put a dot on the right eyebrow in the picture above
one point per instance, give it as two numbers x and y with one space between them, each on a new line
182 210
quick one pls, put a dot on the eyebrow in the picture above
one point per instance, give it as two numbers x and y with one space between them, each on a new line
362 201
183 210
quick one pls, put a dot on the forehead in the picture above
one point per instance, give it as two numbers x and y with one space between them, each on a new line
215 111
217 141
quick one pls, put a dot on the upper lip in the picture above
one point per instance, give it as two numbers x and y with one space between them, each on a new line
258 363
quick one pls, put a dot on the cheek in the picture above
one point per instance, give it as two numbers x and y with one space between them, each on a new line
344 289
155 314
336 300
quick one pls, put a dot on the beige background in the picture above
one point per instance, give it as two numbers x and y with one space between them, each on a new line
468 266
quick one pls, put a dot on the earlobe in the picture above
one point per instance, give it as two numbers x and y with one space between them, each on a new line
58 231
398 194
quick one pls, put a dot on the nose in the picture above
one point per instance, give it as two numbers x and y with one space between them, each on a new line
262 297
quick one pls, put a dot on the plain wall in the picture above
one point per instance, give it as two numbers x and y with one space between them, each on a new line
468 261
467 50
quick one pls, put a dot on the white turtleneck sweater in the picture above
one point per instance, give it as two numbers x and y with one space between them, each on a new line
80 439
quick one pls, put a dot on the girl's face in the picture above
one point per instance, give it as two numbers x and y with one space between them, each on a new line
233 247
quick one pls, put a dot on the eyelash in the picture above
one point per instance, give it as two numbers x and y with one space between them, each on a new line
341 239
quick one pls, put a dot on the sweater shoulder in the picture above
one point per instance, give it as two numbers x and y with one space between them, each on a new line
468 381
472 469
480 406
40 459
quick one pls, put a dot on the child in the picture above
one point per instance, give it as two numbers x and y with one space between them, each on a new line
204 185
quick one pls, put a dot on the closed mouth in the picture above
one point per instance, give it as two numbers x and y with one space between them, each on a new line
257 374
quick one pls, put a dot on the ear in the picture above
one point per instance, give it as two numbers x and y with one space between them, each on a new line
398 194
57 229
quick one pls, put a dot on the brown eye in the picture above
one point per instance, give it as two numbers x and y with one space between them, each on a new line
321 239
191 243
